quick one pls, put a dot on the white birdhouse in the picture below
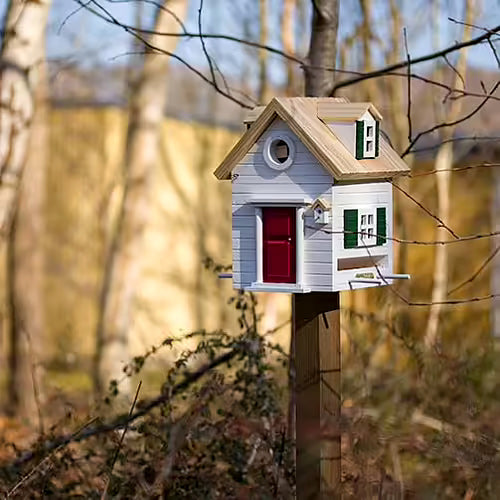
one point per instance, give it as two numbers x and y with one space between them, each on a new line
321 212
311 202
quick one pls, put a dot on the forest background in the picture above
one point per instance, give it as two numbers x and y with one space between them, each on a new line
111 252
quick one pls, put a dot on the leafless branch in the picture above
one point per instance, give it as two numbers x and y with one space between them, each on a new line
455 70
108 17
428 57
359 76
455 139
477 272
121 422
452 123
120 444
408 87
426 210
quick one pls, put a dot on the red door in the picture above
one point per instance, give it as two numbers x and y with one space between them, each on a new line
279 245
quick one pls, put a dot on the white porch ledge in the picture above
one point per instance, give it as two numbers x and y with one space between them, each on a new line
280 200
277 287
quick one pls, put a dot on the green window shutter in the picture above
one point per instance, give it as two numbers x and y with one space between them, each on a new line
377 131
350 228
381 226
360 139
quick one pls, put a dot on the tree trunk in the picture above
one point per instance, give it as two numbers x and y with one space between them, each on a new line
397 122
123 263
287 37
495 272
23 154
264 91
20 58
443 164
26 267
323 49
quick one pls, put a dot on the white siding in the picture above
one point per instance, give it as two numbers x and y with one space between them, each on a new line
346 132
304 179
358 196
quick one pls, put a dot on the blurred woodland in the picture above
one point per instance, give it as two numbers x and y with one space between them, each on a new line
127 368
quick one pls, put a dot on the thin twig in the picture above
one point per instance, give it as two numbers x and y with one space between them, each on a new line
428 57
478 272
426 210
408 86
452 123
120 444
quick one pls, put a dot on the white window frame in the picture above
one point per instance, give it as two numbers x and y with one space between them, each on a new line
369 152
367 226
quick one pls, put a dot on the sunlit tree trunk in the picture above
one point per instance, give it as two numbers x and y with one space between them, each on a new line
123 264
25 270
20 58
495 271
264 90
397 122
23 154
443 164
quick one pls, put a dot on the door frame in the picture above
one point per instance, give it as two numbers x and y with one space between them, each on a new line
299 244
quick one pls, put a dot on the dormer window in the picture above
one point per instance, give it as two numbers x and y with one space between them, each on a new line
367 139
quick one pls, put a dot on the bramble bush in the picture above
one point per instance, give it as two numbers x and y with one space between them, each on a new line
423 424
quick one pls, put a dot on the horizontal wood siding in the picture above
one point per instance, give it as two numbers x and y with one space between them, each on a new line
358 196
306 178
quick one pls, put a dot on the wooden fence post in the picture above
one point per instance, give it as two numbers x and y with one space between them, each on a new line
316 323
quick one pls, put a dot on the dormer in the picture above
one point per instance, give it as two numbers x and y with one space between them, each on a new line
355 124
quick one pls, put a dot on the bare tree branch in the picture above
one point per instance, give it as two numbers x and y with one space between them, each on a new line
428 57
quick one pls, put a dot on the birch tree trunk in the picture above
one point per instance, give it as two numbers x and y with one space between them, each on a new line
398 124
20 58
123 263
26 268
443 164
23 148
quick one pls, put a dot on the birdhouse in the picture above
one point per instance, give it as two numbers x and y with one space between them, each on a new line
311 198
321 211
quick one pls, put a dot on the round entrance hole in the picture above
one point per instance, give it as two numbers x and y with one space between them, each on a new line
279 152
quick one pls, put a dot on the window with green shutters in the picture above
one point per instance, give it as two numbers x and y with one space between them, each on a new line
381 226
352 224
350 228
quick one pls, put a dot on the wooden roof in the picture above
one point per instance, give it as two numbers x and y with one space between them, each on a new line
301 115
330 110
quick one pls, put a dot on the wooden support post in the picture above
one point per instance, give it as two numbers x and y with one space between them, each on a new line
316 323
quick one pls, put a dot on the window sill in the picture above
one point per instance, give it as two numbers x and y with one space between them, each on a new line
277 287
